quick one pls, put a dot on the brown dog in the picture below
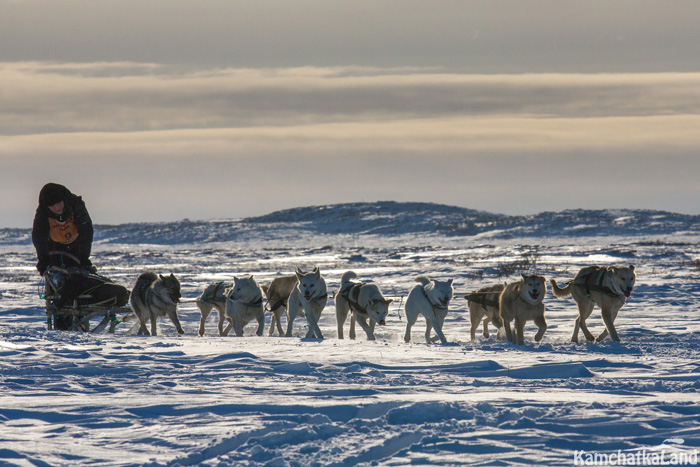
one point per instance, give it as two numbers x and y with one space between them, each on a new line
607 287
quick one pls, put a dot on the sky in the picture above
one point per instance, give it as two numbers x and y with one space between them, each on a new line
157 110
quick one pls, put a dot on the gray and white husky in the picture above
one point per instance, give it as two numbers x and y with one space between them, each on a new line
244 302
431 300
308 298
366 303
277 294
213 297
153 297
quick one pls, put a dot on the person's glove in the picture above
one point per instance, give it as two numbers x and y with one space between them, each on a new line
42 264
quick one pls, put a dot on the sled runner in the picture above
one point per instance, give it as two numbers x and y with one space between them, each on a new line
92 303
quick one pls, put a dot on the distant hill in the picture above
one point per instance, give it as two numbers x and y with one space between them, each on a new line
392 218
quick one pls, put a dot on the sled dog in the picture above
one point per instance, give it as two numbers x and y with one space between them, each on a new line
277 294
244 302
483 304
153 297
213 297
365 301
607 287
523 301
308 298
431 300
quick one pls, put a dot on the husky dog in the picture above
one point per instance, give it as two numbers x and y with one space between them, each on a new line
484 304
607 287
365 301
522 301
244 302
308 298
153 297
213 297
277 294
431 300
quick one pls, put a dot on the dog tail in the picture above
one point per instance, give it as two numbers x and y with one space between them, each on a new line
265 288
559 291
425 280
347 277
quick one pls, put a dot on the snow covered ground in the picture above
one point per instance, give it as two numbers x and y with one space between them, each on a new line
101 399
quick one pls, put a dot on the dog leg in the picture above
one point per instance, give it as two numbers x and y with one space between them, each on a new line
428 330
437 325
486 322
143 330
292 311
228 327
172 314
312 319
261 322
278 320
273 319
586 331
519 330
238 323
577 326
205 310
475 317
369 329
153 324
602 336
542 325
341 314
508 332
222 317
585 308
410 321
609 326
352 333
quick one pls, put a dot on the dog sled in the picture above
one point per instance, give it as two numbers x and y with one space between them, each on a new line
90 304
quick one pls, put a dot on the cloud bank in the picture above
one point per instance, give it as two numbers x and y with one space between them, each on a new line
122 97
234 142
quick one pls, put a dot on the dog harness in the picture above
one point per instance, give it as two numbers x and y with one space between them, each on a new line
599 287
481 299
252 304
279 303
441 307
211 298
319 298
351 294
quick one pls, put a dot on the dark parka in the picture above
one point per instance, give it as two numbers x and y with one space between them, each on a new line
47 250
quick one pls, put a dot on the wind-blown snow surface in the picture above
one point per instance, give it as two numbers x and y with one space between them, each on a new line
101 399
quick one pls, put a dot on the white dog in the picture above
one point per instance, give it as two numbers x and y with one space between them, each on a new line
431 300
244 302
308 298
365 301
607 287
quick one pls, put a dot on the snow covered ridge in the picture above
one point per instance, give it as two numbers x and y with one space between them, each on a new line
392 218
